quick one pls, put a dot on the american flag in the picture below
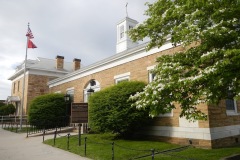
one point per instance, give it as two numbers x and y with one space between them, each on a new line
29 34
31 44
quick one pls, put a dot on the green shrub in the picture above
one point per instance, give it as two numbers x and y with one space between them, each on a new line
47 110
7 109
2 104
110 110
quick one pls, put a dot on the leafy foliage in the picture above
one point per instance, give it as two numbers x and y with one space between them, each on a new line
2 104
47 110
205 72
7 109
110 110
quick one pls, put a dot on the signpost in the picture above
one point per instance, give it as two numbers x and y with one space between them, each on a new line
79 113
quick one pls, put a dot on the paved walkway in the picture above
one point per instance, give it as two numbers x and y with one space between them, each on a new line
14 146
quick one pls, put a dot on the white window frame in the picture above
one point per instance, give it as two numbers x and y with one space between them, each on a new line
86 95
169 114
150 74
130 27
72 92
69 89
122 77
121 31
232 112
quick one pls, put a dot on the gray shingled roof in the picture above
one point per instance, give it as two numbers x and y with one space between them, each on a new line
48 65
42 64
13 99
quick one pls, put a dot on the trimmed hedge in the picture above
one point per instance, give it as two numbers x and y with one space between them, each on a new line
111 111
48 110
7 109
2 104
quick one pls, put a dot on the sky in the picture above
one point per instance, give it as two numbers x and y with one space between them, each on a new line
71 28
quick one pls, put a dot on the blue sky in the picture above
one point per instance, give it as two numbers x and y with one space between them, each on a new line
70 28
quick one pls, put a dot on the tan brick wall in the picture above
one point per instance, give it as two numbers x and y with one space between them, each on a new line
182 141
174 121
218 115
168 121
209 144
19 90
204 123
226 142
35 85
137 68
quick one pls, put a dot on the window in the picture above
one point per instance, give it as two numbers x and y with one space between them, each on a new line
168 114
231 107
58 92
130 27
18 85
231 104
122 77
151 75
70 92
121 31
14 85
92 86
122 80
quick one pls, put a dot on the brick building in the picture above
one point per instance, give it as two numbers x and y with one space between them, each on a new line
130 62
38 73
133 62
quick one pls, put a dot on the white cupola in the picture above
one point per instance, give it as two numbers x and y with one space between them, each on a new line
123 40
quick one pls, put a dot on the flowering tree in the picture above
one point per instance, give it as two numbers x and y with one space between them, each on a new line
207 71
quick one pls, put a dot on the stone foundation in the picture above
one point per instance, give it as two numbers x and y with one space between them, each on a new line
208 144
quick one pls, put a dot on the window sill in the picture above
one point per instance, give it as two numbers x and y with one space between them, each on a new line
232 113
166 115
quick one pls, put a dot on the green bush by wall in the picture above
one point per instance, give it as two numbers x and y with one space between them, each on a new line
7 109
110 110
47 110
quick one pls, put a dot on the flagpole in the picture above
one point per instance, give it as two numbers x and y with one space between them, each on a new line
126 9
23 86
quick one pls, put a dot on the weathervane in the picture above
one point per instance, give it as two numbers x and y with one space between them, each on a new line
126 9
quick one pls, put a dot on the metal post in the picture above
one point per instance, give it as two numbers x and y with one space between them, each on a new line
112 150
2 121
68 136
54 140
43 134
27 128
23 84
56 130
79 134
85 146
153 150
17 128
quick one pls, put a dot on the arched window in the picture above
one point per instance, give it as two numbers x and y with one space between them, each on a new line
91 87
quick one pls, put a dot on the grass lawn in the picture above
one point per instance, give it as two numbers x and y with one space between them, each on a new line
99 147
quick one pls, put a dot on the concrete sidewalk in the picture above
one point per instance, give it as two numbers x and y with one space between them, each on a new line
14 146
